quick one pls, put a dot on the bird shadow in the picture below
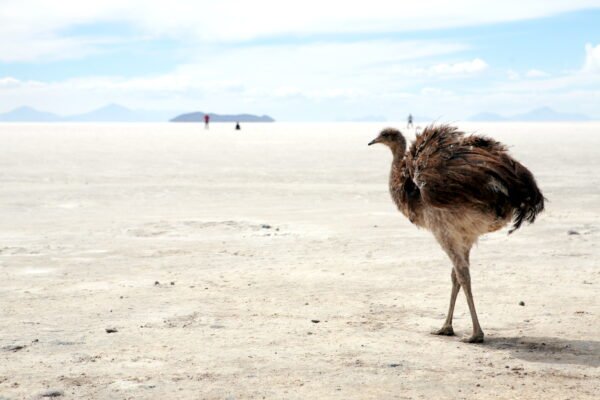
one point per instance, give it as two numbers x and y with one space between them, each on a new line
549 350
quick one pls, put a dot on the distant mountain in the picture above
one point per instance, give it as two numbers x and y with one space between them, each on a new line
108 113
199 117
28 114
487 116
548 114
543 114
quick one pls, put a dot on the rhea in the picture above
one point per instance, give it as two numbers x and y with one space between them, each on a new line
459 187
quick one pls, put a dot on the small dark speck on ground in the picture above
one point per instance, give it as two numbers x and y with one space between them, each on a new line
111 330
393 365
156 283
172 283
51 393
315 321
14 347
521 303
573 232
265 226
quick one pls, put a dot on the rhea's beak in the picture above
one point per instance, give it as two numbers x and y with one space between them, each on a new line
376 140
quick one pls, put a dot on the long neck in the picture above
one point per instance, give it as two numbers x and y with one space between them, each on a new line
398 149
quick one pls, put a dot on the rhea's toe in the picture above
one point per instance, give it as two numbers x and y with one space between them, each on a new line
445 330
475 338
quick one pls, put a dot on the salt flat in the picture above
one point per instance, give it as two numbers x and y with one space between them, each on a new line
210 252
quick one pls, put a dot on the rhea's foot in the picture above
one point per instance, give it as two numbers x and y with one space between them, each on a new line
445 330
474 338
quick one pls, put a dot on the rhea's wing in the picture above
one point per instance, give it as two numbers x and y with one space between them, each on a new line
454 171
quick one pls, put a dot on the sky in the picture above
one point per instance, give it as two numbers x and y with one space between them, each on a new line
302 61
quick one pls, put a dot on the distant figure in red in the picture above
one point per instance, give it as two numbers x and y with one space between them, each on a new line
206 121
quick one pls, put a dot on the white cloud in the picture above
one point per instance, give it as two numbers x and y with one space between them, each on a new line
466 67
321 69
376 77
513 75
430 91
586 77
536 73
49 48
592 59
233 77
458 70
9 82
32 29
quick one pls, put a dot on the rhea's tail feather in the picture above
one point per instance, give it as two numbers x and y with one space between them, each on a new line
526 197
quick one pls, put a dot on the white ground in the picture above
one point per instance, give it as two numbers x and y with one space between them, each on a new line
91 216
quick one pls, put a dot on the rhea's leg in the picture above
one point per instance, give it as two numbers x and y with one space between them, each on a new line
464 278
447 329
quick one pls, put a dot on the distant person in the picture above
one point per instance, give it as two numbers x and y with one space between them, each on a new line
410 121
206 121
237 126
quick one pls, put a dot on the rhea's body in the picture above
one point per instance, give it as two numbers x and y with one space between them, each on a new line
459 187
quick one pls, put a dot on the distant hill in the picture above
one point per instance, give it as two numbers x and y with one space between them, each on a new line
28 114
543 114
548 114
108 113
487 116
199 117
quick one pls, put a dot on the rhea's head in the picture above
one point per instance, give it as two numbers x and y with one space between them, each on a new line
393 139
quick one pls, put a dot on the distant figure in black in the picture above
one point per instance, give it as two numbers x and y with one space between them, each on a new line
410 121
237 126
206 121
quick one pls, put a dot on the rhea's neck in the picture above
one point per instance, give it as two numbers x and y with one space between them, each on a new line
398 150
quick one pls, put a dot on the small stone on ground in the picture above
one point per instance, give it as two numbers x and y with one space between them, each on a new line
51 393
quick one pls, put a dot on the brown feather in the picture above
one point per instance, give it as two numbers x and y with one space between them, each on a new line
446 169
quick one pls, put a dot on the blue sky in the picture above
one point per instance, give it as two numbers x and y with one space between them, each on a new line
311 60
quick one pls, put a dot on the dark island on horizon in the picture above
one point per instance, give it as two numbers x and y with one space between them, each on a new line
199 117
